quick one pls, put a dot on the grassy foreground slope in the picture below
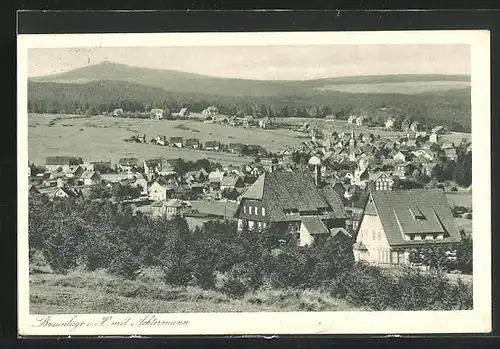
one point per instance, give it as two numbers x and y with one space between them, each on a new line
98 292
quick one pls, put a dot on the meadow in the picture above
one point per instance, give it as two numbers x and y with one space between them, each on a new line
102 137
413 87
99 292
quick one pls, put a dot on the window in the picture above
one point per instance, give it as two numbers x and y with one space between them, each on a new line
373 234
244 209
263 211
379 236
394 258
256 210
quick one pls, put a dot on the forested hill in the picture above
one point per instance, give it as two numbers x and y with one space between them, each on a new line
172 80
449 108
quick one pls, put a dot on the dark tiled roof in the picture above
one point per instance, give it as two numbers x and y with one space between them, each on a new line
128 161
314 225
62 160
294 191
395 211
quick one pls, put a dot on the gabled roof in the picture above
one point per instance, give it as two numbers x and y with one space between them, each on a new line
314 225
229 181
396 210
89 174
294 191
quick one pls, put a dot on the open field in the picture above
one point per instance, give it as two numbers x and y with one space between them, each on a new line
98 292
412 87
102 137
465 224
459 198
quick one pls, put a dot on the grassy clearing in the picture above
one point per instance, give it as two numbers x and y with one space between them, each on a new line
99 292
412 87
459 198
465 224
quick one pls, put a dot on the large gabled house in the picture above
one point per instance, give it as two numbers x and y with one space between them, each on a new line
395 222
52 163
162 189
296 204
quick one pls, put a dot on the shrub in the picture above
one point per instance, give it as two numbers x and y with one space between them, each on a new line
125 264
365 285
242 278
291 267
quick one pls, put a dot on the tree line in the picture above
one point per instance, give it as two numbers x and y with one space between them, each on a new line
93 234
445 109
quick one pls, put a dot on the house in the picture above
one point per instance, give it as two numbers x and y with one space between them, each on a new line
32 189
389 123
247 120
117 112
211 111
360 120
57 192
78 170
193 143
231 182
451 153
235 147
423 155
176 142
162 189
115 177
265 122
399 156
352 119
156 113
128 164
395 222
300 206
434 138
168 208
212 145
383 181
402 170
414 126
215 179
90 178
183 112
142 184
101 166
360 176
52 163
439 130
405 125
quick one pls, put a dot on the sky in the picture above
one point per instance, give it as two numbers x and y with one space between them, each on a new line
266 62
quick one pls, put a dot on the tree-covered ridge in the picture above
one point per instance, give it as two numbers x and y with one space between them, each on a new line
451 109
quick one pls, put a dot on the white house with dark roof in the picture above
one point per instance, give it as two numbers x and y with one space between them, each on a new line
296 203
395 222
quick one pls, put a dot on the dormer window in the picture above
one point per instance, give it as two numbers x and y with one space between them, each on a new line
416 213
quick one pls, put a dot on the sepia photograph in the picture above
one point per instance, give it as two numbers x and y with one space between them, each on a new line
254 183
